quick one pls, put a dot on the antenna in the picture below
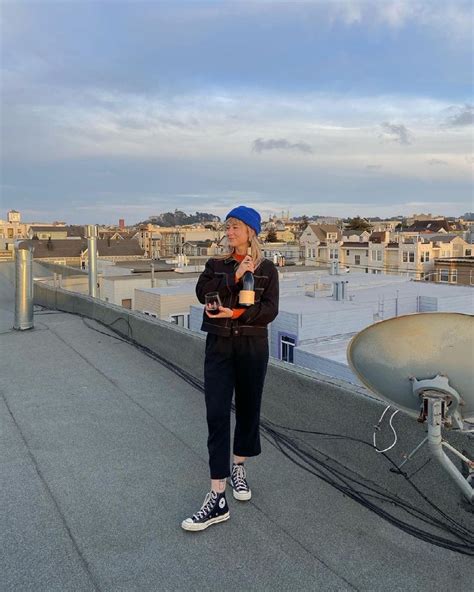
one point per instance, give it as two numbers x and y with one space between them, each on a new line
422 364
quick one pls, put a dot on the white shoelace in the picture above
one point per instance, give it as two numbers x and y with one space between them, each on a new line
209 501
239 477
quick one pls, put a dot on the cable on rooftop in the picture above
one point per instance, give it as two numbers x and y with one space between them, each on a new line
455 536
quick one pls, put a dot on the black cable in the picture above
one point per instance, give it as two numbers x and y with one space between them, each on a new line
394 465
360 498
342 479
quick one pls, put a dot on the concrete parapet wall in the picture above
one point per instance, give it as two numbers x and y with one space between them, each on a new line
176 345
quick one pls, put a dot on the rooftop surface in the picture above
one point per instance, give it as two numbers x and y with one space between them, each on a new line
103 453
367 290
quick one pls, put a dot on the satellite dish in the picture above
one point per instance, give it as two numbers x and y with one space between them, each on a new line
423 364
386 355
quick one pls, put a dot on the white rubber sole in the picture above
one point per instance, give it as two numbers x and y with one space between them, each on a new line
242 496
196 526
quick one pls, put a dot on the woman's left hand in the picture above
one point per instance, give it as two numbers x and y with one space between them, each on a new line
224 313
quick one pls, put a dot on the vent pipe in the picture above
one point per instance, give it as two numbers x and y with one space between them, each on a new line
339 290
23 288
91 235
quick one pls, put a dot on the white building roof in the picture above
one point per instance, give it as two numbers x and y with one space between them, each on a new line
180 288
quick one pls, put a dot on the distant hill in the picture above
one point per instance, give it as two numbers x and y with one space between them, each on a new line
179 218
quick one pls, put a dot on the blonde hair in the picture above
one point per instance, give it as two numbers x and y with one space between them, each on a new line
255 247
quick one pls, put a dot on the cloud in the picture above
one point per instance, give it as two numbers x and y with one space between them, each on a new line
260 145
447 18
461 116
396 133
436 162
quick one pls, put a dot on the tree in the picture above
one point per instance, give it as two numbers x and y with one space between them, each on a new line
358 223
272 236
304 222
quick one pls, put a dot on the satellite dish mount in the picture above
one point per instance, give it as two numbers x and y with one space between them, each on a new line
432 383
439 406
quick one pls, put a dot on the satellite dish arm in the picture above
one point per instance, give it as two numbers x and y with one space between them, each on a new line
435 443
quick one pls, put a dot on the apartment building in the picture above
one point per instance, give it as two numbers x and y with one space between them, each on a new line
413 256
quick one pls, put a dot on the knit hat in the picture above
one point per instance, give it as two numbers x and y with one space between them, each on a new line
247 215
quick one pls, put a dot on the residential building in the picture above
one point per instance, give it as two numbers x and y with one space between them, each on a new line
354 255
121 288
200 248
355 236
453 270
313 327
14 217
282 253
12 229
75 252
168 303
166 242
320 243
382 225
433 226
47 232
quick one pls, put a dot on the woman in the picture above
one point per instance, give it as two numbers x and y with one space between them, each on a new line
236 359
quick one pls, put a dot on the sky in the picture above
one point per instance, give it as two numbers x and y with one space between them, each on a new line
125 109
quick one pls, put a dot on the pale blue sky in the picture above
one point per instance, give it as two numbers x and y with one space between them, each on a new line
125 109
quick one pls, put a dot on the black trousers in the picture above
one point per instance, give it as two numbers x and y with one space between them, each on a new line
240 363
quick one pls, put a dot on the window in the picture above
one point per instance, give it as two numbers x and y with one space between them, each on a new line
377 255
10 233
444 275
182 320
468 252
127 303
405 257
348 252
357 259
367 253
454 276
412 257
150 314
287 345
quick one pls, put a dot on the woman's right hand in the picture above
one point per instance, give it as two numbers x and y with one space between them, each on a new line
245 265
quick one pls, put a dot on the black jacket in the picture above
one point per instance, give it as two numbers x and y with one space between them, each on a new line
219 276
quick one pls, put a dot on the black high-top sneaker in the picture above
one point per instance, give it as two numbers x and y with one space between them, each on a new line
238 480
213 510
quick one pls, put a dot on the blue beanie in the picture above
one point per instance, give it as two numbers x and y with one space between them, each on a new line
247 215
